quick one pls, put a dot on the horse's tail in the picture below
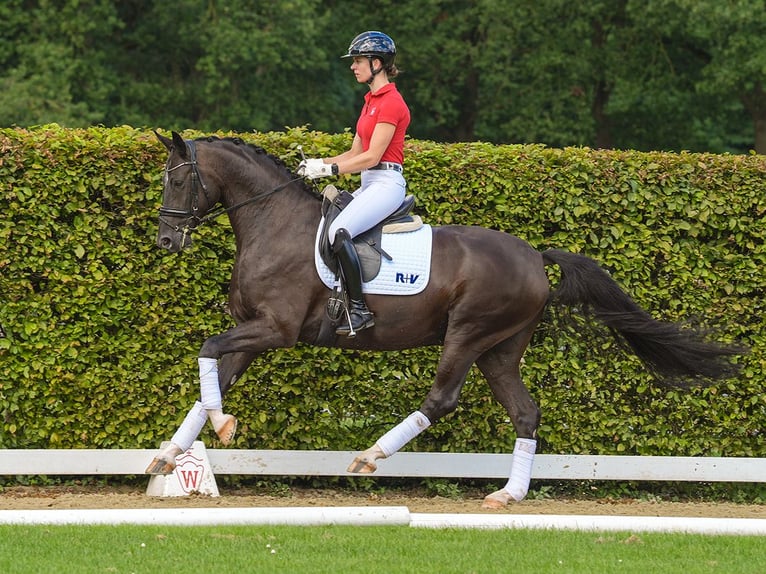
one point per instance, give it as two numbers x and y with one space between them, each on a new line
665 348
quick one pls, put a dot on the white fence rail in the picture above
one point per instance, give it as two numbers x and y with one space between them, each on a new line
85 462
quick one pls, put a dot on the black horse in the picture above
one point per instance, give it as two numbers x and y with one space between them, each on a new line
486 295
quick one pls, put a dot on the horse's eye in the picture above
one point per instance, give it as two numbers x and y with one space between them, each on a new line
178 183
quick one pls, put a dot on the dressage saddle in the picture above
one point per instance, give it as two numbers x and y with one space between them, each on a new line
367 244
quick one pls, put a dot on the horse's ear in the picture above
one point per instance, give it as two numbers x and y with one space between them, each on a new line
167 142
179 144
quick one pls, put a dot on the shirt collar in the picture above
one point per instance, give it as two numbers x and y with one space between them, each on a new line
384 90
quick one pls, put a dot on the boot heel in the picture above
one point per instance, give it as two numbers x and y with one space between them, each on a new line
358 318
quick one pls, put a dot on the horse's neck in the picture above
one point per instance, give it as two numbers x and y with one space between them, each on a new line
277 215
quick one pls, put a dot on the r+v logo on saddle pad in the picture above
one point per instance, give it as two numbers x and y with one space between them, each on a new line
406 278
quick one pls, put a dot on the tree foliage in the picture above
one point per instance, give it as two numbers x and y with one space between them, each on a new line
629 74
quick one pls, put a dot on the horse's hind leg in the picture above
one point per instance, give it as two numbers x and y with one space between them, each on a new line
441 400
390 443
500 366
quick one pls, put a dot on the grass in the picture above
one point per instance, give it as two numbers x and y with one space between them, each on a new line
390 550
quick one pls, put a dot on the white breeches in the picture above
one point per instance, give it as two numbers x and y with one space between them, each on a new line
382 191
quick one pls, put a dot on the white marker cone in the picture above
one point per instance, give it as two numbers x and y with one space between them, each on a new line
192 474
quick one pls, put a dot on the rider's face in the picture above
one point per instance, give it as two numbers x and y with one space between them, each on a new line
361 68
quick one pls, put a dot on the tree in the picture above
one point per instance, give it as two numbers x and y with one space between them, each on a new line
262 65
727 41
640 74
53 69
537 74
733 34
236 65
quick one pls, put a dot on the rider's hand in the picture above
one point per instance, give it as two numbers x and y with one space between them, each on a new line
314 168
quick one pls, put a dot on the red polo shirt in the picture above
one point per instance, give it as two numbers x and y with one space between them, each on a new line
386 106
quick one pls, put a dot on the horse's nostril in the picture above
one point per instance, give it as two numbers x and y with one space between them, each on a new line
165 243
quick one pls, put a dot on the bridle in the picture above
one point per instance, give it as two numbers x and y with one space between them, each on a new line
191 214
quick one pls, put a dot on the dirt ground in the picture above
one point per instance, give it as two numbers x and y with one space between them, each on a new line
83 497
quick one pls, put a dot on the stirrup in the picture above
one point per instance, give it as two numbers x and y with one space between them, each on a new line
357 319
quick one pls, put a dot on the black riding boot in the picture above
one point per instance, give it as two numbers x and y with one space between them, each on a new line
351 269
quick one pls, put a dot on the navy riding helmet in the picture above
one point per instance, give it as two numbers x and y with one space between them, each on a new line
373 44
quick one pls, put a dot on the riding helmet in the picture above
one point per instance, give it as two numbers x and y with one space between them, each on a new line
371 44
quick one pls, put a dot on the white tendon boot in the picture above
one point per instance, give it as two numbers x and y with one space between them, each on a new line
390 443
189 430
225 425
182 440
521 472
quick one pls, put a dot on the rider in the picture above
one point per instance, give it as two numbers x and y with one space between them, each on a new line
377 151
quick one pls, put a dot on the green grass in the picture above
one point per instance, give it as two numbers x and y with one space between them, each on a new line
366 549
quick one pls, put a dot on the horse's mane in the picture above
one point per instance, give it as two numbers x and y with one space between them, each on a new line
256 153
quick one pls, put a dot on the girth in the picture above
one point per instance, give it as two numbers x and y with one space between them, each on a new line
367 244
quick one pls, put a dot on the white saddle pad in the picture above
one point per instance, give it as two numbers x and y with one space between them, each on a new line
406 274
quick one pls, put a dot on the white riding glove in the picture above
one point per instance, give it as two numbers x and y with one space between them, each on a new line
314 168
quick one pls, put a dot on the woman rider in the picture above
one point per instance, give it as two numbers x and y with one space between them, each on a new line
377 152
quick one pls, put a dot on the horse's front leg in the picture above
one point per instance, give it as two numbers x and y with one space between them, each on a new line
214 383
225 425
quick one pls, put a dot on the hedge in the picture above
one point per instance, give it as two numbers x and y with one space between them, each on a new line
102 328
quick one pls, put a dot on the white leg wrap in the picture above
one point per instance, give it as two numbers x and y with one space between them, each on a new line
208 382
189 430
403 433
521 469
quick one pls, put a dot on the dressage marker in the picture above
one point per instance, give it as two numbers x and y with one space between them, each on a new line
192 475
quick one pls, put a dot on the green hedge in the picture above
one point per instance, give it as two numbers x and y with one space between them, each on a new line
103 328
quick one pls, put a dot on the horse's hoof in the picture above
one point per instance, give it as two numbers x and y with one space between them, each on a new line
361 466
494 501
160 466
492 504
227 430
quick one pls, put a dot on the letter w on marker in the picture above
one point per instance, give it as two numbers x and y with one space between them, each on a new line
189 478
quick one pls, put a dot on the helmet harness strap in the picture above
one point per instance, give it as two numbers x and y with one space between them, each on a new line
373 71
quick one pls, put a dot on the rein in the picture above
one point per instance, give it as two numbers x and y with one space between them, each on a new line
221 210
191 215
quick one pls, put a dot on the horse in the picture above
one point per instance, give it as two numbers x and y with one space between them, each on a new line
486 295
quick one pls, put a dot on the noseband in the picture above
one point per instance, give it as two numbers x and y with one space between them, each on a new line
191 214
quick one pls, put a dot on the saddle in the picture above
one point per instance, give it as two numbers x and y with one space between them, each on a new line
367 244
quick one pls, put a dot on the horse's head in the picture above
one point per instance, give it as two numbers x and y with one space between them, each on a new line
186 198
